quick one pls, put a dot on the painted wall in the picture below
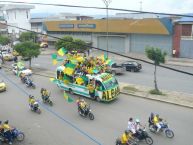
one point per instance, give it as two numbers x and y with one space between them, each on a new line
140 41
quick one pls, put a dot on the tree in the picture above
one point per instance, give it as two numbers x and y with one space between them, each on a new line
4 40
156 55
71 44
28 36
28 49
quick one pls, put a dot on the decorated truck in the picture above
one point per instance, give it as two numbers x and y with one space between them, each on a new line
106 87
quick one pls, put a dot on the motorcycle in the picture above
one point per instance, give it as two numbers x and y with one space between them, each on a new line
130 142
141 135
15 135
29 83
46 99
23 79
35 108
87 112
164 128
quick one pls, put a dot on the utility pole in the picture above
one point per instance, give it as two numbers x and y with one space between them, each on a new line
107 3
140 5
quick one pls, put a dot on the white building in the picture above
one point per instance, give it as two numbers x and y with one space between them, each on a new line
18 16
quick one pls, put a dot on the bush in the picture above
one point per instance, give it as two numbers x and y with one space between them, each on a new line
156 92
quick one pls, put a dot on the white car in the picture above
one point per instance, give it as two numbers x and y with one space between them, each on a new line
25 71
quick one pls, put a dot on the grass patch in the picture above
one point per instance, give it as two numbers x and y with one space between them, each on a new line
156 92
130 88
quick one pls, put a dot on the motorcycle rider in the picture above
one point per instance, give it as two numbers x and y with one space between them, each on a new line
150 120
82 105
156 121
23 77
45 94
138 127
31 101
127 135
131 125
7 131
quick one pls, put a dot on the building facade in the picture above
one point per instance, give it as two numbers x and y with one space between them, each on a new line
183 38
132 35
17 16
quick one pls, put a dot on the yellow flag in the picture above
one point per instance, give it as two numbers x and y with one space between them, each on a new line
54 61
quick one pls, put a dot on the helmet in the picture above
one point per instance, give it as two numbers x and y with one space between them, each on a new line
30 96
130 119
137 121
127 131
6 122
82 100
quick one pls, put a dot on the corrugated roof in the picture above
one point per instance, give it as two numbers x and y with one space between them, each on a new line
141 26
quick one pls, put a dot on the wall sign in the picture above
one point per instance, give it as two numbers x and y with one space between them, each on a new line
66 25
90 26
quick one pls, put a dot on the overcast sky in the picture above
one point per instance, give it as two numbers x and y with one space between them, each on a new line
166 6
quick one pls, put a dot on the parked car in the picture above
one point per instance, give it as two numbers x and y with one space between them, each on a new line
132 66
2 86
15 53
7 56
116 69
43 45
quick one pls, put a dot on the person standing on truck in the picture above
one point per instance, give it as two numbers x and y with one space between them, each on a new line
91 89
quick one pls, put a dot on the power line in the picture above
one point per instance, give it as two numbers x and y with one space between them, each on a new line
89 7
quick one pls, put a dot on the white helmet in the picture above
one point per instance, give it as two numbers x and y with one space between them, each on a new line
137 121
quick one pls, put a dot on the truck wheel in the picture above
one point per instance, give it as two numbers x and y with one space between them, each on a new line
70 91
113 73
97 99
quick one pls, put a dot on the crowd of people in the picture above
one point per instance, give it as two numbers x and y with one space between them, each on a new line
134 127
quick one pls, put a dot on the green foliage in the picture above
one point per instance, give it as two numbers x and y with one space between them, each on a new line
28 49
156 55
156 92
71 44
4 40
28 36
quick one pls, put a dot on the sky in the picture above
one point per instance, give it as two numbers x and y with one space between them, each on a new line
164 6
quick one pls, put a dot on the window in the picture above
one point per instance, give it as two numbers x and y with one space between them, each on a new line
15 14
27 14
186 30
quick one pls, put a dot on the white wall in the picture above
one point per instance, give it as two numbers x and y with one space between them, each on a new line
19 18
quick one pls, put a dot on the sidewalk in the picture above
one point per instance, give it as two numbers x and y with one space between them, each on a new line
172 97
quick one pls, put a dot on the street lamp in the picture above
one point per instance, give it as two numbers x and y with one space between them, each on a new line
107 3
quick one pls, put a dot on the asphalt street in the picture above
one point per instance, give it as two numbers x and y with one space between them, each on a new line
167 79
61 124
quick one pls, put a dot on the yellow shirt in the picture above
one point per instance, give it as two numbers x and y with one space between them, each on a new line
155 119
6 127
31 101
91 88
125 138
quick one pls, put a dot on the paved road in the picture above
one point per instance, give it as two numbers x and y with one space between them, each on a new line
167 79
110 119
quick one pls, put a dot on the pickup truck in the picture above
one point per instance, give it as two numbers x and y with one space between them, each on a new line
116 69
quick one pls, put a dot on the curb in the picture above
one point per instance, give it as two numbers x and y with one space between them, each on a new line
164 101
